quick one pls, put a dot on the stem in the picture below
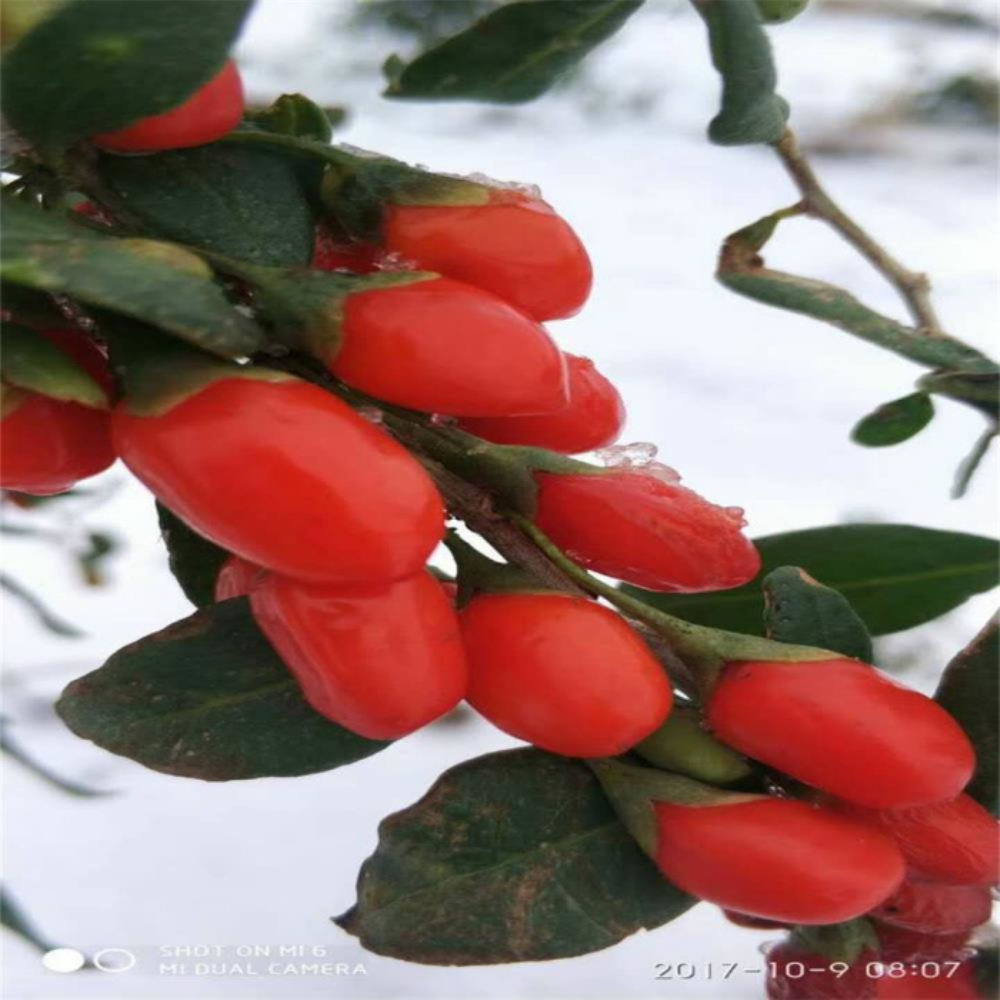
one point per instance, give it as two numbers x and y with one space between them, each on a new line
913 287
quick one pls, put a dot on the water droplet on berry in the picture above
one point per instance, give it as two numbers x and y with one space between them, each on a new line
736 515
627 456
371 413
394 262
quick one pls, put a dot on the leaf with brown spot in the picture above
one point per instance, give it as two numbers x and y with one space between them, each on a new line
208 698
511 857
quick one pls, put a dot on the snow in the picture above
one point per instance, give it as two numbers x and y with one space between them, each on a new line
753 406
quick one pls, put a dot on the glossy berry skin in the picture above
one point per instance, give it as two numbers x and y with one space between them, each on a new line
562 672
796 974
899 944
514 246
331 254
442 346
935 908
47 445
780 859
593 418
380 659
843 727
208 114
288 477
237 578
637 528
954 841
930 981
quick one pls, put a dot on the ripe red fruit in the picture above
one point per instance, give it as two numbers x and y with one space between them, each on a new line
641 529
777 858
562 672
592 419
331 254
955 841
514 246
446 347
935 908
49 445
844 727
796 974
930 981
289 477
84 352
380 659
208 114
237 578
899 944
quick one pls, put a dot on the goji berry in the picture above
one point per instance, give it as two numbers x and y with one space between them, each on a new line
446 347
514 246
779 859
842 726
208 114
562 672
592 419
636 527
935 907
288 477
900 944
379 659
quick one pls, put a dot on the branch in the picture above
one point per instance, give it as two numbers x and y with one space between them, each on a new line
913 287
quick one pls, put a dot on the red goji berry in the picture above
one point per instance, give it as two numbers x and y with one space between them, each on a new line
935 907
953 841
208 114
777 858
842 726
900 944
237 578
592 419
514 246
638 528
796 974
288 477
380 659
446 347
562 672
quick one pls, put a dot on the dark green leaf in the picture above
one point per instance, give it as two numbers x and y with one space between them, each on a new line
895 422
295 114
513 54
968 466
29 361
751 109
194 561
207 698
234 200
34 309
969 690
158 283
512 857
896 576
780 11
800 610
99 65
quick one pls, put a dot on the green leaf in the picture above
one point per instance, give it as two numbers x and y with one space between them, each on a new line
194 561
970 464
159 283
513 54
295 114
31 308
234 200
969 690
207 698
99 65
751 109
29 361
896 576
780 11
512 857
800 610
895 422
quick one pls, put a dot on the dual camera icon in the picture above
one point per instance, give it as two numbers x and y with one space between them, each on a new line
71 960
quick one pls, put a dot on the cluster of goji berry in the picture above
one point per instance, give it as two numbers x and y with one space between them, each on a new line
330 522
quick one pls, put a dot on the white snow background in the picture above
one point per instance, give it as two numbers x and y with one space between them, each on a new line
753 406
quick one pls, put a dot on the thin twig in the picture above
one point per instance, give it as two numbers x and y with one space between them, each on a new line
913 287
